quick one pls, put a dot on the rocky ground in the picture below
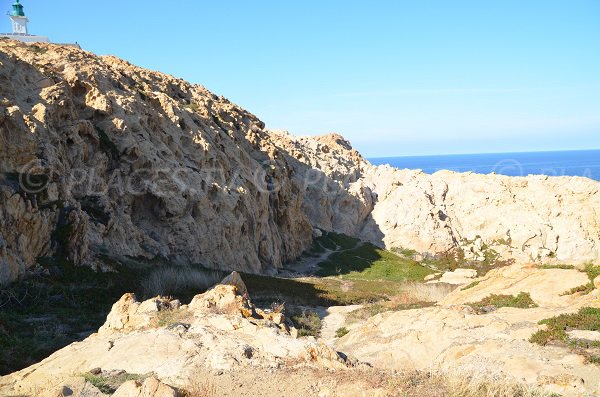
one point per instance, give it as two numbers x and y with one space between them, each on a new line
221 344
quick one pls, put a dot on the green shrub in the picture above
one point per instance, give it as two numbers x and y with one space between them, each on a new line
341 332
587 318
592 272
492 302
307 322
108 384
473 284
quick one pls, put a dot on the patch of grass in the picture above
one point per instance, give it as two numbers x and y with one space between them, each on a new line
587 318
317 292
456 258
592 272
199 387
556 266
522 300
166 318
368 262
473 284
342 241
193 107
36 49
43 313
330 241
341 332
374 309
307 322
584 289
405 252
184 282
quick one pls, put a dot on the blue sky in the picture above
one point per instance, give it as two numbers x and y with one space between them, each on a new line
395 77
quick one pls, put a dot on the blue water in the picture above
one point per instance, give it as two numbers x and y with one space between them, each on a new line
566 163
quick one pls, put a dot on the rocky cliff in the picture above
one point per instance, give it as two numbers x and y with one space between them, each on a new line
98 156
469 216
102 158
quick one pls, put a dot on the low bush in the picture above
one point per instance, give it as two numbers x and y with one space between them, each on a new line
307 322
522 300
341 332
592 272
587 318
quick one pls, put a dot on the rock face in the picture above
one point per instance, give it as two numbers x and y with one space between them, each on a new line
99 157
451 336
471 216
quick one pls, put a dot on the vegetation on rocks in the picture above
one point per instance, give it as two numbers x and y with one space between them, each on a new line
587 318
522 300
109 382
341 332
592 271
306 321
61 303
556 332
471 285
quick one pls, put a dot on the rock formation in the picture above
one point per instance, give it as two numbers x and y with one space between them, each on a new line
219 331
452 336
101 158
472 216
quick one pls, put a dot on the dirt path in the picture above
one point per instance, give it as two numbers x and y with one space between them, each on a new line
332 319
307 266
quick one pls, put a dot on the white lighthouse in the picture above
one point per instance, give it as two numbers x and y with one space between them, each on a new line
19 26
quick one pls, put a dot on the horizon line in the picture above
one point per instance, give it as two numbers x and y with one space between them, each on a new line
483 153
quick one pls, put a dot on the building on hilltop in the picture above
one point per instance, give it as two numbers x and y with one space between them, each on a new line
19 26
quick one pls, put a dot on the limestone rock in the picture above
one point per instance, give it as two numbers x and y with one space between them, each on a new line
140 161
475 217
139 339
133 162
456 277
150 387
235 280
449 336
72 387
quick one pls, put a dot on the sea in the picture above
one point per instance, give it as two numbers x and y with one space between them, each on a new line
584 163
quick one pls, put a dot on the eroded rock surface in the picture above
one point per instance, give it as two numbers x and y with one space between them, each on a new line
99 157
471 216
219 331
131 162
451 335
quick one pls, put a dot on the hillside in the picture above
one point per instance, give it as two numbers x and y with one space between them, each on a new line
353 278
103 158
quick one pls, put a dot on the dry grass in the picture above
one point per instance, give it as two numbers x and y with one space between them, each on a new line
200 387
418 292
411 296
178 281
460 384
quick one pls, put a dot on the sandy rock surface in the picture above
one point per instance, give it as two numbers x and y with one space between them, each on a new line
451 335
